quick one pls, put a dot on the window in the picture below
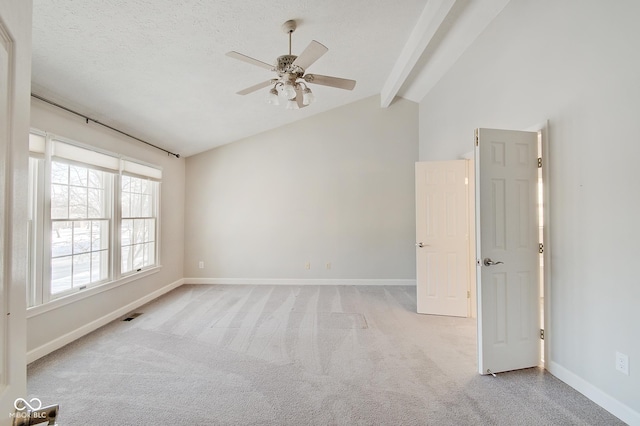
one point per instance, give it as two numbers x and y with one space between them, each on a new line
138 229
80 222
93 217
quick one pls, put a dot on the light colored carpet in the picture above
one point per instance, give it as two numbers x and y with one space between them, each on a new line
294 355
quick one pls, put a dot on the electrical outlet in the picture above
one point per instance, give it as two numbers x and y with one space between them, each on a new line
201 264
622 363
328 265
307 265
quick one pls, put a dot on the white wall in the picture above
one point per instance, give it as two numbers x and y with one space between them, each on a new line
575 63
334 188
48 330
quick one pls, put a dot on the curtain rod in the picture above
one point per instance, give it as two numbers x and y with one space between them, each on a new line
33 95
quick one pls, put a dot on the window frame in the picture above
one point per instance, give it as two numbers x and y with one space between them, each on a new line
35 231
40 295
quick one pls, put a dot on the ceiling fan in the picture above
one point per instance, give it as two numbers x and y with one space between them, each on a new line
292 81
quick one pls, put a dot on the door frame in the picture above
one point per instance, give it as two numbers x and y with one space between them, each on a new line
543 132
471 206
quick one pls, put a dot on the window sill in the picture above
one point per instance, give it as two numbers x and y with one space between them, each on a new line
89 292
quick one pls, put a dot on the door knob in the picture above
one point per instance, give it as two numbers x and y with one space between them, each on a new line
421 244
488 262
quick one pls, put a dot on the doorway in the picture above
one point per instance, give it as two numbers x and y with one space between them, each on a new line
443 275
425 252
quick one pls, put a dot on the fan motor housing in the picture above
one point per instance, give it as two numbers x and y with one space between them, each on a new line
285 66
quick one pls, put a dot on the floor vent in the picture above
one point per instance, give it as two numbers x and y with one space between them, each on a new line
133 316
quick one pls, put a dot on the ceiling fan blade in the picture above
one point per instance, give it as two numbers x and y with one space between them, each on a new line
325 80
255 87
311 54
250 60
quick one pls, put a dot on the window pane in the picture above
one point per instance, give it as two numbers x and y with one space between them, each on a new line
81 269
77 202
145 206
95 179
61 239
59 202
149 254
78 175
60 274
138 256
99 266
126 262
151 230
95 202
126 183
136 187
59 173
139 231
136 205
99 235
145 187
126 204
126 232
81 237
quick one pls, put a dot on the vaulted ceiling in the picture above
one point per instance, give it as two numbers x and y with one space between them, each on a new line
157 68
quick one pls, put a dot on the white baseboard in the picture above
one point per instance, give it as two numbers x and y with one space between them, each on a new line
65 339
300 281
612 405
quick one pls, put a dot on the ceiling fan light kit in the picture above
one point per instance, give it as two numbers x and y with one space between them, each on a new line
291 83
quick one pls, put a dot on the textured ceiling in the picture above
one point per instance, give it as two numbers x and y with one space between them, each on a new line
157 68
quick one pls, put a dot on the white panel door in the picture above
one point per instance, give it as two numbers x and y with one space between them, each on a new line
442 232
4 218
15 25
507 250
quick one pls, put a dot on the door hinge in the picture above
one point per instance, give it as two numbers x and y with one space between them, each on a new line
542 334
477 137
468 294
540 248
539 162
